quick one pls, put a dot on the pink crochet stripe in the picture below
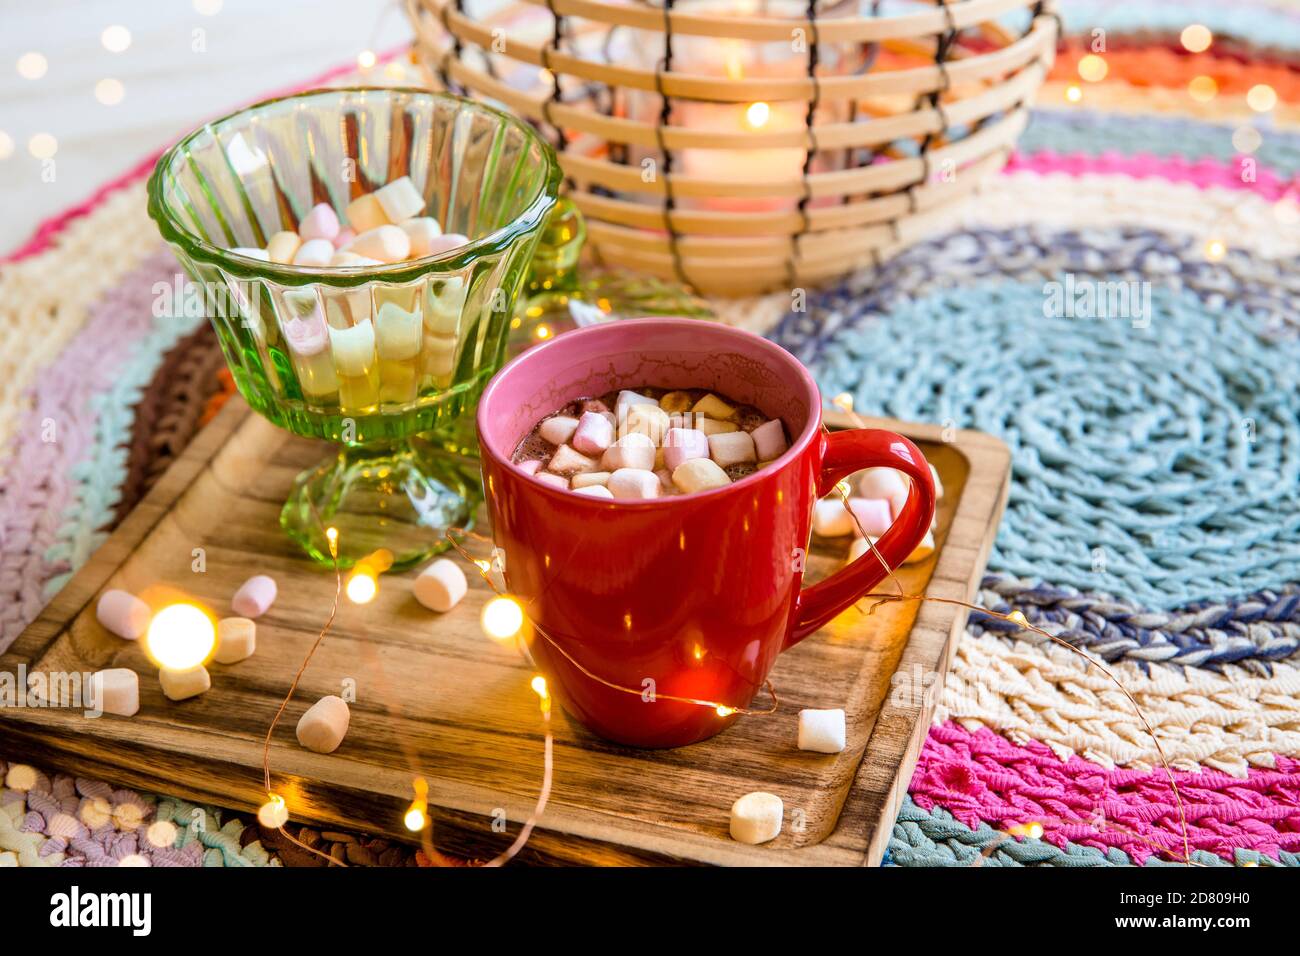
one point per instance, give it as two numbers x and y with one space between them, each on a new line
49 229
981 777
1202 173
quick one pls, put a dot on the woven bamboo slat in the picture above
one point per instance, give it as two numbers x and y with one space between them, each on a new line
743 146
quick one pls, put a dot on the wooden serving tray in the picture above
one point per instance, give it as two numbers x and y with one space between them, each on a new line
434 696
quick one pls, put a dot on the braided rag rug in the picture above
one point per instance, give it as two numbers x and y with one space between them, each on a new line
1154 518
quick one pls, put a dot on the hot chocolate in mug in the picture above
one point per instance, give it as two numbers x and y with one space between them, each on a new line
689 596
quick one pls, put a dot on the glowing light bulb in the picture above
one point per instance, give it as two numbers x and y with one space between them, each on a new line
1016 617
109 91
1202 88
843 401
1215 249
843 487
1261 98
1196 38
757 115
725 711
116 38
1073 93
538 684
1246 139
43 146
502 617
366 59
543 332
1093 68
362 587
161 833
415 818
273 814
32 66
6 145
180 637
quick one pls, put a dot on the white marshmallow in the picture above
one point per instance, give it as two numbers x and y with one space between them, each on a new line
354 348
442 314
587 479
350 260
447 242
398 333
644 419
769 440
440 586
873 515
283 246
254 597
922 550
365 213
422 233
732 448
626 399
385 243
594 433
631 451
182 685
322 222
258 254
756 817
117 691
699 474
236 640
123 614
558 429
566 461
400 199
558 481
633 483
882 483
821 731
859 547
594 491
831 519
316 253
324 725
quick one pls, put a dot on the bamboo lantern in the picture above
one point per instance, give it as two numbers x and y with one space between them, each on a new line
744 146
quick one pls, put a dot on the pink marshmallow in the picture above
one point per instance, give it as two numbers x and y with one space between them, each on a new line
529 467
873 514
683 444
321 223
594 434
441 245
254 597
344 236
123 614
558 481
769 440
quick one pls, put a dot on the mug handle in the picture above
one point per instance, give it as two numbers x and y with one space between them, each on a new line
843 453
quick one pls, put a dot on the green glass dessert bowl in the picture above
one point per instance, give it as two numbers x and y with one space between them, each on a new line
385 360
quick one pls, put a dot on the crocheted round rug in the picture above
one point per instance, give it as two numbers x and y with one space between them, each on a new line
1117 305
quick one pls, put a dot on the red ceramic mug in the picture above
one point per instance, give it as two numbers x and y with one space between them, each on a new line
692 596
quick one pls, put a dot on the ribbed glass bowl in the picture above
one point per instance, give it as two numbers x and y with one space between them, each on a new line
371 356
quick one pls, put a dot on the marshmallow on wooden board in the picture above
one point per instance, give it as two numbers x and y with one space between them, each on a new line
645 419
633 483
594 491
699 474
732 448
236 640
631 451
683 444
567 461
400 199
184 684
711 406
555 481
440 586
123 614
385 243
831 519
283 246
769 440
756 817
530 467
589 478
558 429
324 725
315 253
859 547
922 550
365 213
821 731
321 222
873 514
254 597
594 433
117 691
422 232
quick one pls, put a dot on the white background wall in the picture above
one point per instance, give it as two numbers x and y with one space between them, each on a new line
250 47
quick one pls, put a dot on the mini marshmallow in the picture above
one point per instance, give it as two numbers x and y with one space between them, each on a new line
594 433
699 474
398 333
566 461
675 402
756 817
322 222
365 213
633 483
626 399
631 451
884 483
385 243
117 691
123 614
587 479
710 426
859 547
354 348
831 519
769 440
317 253
324 725
447 242
594 491
254 597
711 406
648 420
683 444
422 232
529 467
873 515
732 448
259 254
182 685
283 246
922 550
350 260
345 236
442 315
400 199
440 586
938 485
558 481
821 731
236 640
558 429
